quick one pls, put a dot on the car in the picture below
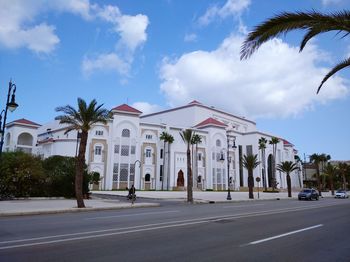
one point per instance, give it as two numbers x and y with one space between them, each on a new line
341 194
308 194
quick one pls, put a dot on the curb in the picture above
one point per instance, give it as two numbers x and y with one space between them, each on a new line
77 210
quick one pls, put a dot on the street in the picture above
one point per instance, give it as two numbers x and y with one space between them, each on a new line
274 230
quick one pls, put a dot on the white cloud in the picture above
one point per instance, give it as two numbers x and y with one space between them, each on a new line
276 81
19 28
132 30
190 37
231 8
331 2
146 108
105 62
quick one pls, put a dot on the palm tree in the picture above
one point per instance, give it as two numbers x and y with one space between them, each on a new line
163 136
330 170
344 168
186 136
262 147
288 167
250 162
196 139
313 22
274 141
316 160
323 161
82 120
168 139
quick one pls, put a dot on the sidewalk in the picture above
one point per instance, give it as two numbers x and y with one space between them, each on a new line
35 206
52 206
206 196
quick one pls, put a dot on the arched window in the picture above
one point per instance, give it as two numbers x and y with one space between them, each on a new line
218 143
147 178
126 133
25 139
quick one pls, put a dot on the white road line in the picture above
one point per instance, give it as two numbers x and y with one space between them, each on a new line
136 214
234 206
283 235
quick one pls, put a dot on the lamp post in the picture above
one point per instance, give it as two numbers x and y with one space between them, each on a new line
10 105
230 138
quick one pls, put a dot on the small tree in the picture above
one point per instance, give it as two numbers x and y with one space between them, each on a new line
250 162
288 167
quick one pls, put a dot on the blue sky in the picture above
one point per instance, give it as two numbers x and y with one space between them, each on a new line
164 53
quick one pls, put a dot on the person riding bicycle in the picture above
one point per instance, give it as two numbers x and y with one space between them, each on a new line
132 191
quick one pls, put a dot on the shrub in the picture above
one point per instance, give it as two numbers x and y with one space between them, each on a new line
21 175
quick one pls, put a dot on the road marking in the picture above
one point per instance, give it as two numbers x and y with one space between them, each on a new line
147 227
136 214
283 235
234 206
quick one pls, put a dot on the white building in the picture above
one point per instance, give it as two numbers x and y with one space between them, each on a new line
128 150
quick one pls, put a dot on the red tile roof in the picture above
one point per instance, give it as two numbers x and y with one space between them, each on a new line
195 102
211 122
126 108
24 121
287 143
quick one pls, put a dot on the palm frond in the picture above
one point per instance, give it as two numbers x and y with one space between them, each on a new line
285 22
338 67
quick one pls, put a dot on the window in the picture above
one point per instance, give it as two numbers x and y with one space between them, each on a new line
199 157
161 173
116 149
133 148
115 172
249 150
126 133
125 150
147 178
123 172
148 152
218 143
149 137
99 133
98 150
161 154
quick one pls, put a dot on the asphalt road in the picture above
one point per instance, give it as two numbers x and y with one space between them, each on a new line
285 230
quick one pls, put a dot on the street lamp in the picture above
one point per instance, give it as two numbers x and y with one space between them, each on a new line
230 138
10 105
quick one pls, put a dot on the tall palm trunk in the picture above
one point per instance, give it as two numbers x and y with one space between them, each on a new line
189 176
250 184
80 170
318 177
289 185
264 169
163 168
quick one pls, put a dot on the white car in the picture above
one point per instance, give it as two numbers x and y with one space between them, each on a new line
341 194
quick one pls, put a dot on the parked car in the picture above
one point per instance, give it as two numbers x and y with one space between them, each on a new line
341 194
308 194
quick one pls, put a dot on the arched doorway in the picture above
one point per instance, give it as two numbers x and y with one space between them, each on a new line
180 182
147 182
269 171
25 142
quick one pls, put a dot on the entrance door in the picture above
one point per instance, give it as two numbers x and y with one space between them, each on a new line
180 182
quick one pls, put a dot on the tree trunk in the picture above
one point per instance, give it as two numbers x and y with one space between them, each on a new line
289 185
163 168
79 170
331 182
318 179
264 170
250 184
344 180
189 177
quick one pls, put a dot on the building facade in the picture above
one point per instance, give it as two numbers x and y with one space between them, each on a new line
128 149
